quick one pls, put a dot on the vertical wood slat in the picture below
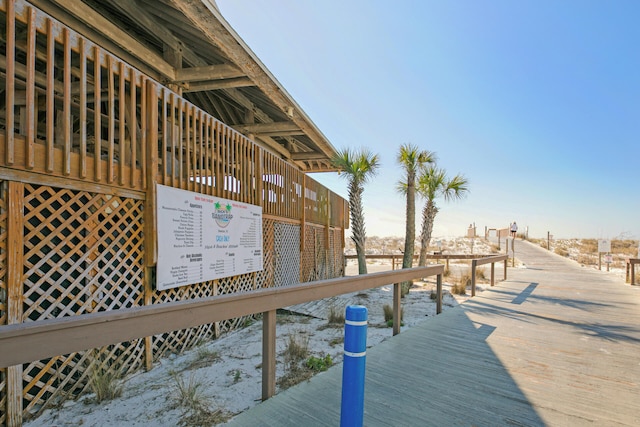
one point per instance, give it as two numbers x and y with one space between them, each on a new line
10 82
66 107
163 155
122 143
15 217
188 145
150 225
201 161
133 125
224 158
180 142
208 153
111 116
31 88
83 110
97 125
50 132
144 107
173 135
218 159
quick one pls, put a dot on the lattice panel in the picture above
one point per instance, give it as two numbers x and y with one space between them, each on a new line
265 278
308 256
3 293
82 253
337 253
287 254
184 339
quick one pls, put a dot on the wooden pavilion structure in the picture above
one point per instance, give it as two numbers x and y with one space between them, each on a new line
102 101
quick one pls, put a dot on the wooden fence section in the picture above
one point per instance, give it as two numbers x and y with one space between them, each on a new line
487 260
31 341
84 138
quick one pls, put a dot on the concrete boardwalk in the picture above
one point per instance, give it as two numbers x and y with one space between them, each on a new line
554 345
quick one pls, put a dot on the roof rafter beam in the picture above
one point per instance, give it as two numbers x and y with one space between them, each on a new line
218 84
208 72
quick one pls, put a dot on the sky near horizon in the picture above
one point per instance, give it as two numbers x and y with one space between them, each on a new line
536 102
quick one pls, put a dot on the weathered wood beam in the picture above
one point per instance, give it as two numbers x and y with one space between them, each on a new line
310 155
208 72
262 128
219 84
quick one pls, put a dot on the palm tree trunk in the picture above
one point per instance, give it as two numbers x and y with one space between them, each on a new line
428 218
357 225
410 234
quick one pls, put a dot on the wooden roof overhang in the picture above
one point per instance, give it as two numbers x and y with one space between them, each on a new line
189 46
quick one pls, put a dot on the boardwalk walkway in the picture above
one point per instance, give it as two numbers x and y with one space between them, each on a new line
555 345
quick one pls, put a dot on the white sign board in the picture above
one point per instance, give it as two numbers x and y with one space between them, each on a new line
604 245
203 238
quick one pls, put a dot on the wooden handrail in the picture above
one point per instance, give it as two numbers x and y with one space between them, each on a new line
487 260
26 342
394 257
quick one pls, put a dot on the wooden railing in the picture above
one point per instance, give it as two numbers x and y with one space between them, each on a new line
487 260
39 340
630 270
398 257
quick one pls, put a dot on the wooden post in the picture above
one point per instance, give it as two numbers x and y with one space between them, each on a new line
599 260
268 354
493 273
633 274
505 269
397 308
474 264
15 249
439 294
150 226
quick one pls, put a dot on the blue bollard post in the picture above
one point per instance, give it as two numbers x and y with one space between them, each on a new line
355 346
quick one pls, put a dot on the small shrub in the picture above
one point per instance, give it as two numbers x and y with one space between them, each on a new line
460 288
336 341
188 392
480 274
390 323
388 313
296 350
319 364
561 251
336 317
105 380
447 272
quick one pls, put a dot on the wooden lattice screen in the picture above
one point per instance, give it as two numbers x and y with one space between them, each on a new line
287 254
82 253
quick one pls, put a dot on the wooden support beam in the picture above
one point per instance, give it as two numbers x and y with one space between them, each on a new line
219 84
208 73
262 128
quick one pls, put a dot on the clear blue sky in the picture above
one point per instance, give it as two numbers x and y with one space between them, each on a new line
536 102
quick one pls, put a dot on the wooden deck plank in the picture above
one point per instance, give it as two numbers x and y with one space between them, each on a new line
554 345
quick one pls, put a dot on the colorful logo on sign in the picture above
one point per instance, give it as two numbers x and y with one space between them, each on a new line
222 214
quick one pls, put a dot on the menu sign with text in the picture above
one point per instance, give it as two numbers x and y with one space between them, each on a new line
202 238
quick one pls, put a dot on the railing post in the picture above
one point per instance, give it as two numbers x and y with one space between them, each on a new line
268 354
505 269
397 307
493 273
439 293
474 264
353 368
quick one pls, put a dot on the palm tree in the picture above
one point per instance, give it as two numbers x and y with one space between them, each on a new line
432 183
358 166
412 160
